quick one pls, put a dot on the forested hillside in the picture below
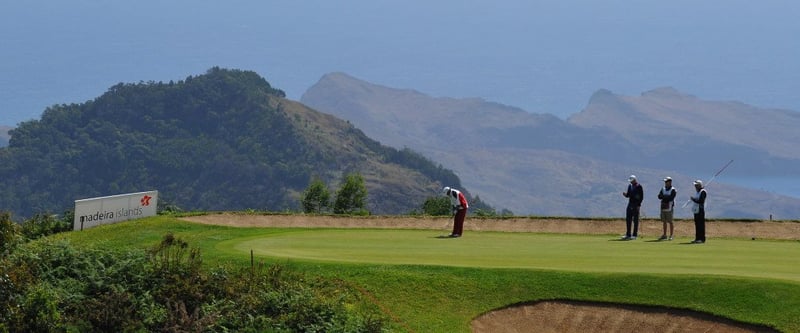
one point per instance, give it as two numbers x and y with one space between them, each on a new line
226 140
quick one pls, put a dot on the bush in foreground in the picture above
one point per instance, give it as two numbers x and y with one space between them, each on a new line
50 285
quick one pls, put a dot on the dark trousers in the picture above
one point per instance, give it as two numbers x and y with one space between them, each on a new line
458 222
632 217
700 225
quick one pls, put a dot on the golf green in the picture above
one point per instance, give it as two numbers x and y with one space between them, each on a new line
567 252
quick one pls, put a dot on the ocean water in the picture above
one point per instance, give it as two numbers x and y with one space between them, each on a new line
541 56
788 186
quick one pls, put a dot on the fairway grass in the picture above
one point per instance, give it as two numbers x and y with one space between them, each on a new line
560 252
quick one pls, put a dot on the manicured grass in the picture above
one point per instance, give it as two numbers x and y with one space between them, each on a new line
428 284
581 253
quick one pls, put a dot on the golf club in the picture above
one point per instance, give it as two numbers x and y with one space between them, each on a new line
710 180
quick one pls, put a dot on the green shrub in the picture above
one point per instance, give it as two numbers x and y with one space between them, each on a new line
39 310
10 235
8 295
42 224
51 285
111 311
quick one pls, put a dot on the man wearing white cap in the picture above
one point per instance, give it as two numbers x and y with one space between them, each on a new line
635 195
699 210
667 197
460 206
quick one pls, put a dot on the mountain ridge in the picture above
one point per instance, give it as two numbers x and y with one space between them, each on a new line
713 119
539 164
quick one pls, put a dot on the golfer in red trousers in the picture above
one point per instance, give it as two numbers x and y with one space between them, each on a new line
460 206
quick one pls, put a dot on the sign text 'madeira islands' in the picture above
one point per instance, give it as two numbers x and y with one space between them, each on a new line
116 208
109 215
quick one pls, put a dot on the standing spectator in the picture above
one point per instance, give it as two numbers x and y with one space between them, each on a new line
699 210
635 195
460 206
667 196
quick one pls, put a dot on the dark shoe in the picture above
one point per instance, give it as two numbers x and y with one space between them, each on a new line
454 235
697 241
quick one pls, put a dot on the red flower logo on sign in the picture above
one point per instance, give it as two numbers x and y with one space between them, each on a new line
145 201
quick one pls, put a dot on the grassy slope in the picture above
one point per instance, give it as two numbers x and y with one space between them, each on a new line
440 298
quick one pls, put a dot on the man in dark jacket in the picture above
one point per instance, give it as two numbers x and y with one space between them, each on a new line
635 195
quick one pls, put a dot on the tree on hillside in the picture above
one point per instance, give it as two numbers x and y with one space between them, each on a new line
351 198
437 206
316 198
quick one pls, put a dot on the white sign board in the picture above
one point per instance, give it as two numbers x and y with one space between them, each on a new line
112 209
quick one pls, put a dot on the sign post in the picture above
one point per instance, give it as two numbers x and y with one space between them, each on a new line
112 209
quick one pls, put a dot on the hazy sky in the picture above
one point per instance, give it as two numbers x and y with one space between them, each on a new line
542 56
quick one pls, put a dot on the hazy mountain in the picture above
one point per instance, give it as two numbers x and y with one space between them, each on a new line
538 164
699 135
225 140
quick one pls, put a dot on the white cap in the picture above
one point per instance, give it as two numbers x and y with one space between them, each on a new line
446 190
698 182
631 178
668 179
